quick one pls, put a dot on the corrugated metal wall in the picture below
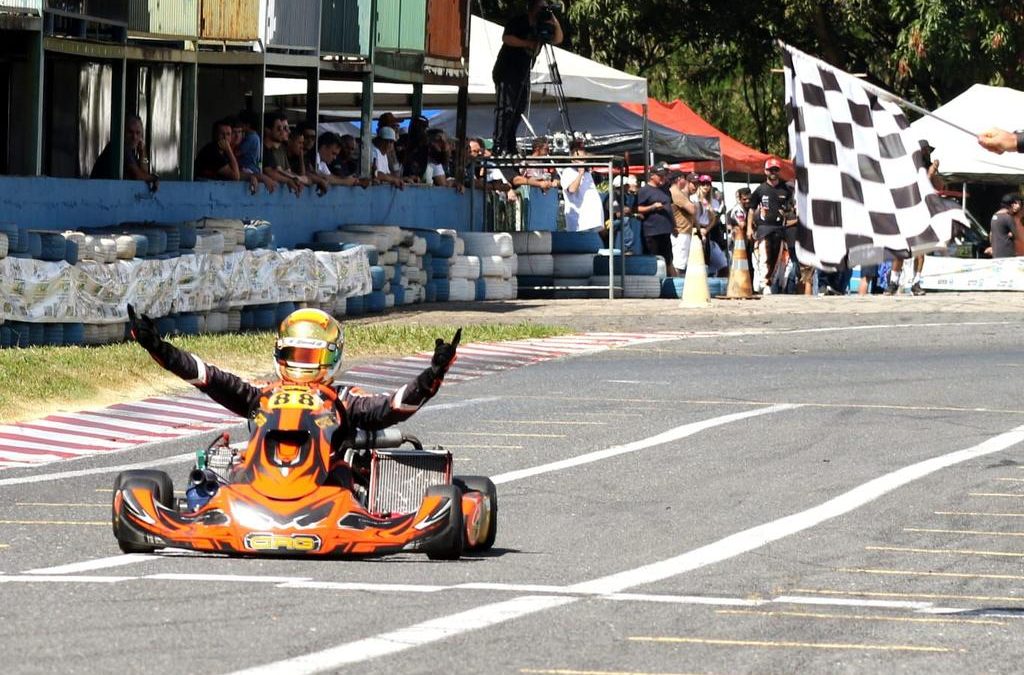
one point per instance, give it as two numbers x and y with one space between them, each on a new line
401 25
112 10
164 17
293 23
345 27
444 28
230 20
22 6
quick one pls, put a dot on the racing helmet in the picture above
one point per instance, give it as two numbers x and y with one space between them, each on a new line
309 347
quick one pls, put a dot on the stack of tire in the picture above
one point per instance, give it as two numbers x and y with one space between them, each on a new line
497 263
573 255
536 266
232 230
644 275
443 256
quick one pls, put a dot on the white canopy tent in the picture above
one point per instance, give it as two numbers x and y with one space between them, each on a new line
581 79
960 157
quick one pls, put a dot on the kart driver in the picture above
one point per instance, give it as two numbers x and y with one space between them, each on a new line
307 352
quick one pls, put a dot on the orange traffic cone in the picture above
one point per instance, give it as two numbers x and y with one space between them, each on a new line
695 286
740 285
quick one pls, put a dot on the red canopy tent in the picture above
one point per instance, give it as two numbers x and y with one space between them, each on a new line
737 157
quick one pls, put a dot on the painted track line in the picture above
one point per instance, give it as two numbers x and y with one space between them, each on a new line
615 584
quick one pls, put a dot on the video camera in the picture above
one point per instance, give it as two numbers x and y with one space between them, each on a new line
545 30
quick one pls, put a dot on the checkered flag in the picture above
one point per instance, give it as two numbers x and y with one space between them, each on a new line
862 187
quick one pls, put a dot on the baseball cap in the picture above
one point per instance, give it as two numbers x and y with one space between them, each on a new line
1010 198
772 163
704 178
387 133
692 177
661 169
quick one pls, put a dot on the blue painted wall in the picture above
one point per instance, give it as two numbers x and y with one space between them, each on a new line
63 204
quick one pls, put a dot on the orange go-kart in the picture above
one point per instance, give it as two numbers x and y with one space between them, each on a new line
289 493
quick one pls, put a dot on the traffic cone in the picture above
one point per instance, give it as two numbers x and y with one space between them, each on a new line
695 287
740 285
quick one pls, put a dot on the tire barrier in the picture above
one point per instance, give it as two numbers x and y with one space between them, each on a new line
576 242
636 265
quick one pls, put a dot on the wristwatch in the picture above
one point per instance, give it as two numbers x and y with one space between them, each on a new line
1020 140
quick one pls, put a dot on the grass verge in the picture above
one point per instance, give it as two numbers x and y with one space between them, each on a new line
42 380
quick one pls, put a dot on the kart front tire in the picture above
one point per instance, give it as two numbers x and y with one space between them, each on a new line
450 543
486 486
157 482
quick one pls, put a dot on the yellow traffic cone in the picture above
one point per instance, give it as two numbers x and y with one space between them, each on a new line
695 287
740 285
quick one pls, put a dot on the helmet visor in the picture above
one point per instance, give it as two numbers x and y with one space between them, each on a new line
306 352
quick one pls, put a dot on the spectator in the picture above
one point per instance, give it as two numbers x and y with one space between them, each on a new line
709 226
488 176
682 189
768 203
388 120
624 213
654 203
297 163
1002 226
254 178
414 146
309 145
346 164
275 153
736 220
521 41
249 151
583 210
216 160
438 157
536 176
328 149
136 163
383 147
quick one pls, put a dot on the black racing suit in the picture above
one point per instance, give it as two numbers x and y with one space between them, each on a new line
356 409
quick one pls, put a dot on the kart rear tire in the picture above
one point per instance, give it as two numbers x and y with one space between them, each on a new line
486 486
156 481
450 543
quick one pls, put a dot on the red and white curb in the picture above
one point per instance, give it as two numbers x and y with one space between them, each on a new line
123 426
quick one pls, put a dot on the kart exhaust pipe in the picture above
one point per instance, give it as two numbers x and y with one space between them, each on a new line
203 485
204 481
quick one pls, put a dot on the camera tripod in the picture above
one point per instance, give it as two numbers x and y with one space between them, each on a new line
559 89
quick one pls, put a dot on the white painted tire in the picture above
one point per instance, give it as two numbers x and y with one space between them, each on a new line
538 265
488 243
531 243
573 264
419 245
461 290
464 267
388 257
495 266
634 286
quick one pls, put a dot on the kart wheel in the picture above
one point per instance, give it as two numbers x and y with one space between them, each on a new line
486 486
159 483
448 545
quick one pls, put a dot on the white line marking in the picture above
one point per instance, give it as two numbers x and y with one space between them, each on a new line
683 599
245 578
758 536
851 602
665 437
63 579
419 634
58 437
98 471
356 586
521 588
90 565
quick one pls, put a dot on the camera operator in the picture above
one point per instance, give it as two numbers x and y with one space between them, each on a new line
520 43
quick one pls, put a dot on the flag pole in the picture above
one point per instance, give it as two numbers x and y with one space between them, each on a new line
882 93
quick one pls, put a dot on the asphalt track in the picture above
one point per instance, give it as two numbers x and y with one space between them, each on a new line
840 498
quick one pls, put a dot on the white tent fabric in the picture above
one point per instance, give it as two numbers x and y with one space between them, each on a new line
581 78
960 157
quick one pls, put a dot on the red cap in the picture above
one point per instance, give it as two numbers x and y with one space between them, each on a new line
772 163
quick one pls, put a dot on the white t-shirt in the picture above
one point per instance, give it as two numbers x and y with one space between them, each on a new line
380 160
321 166
583 210
432 171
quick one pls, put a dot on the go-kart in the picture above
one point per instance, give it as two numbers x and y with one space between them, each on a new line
289 493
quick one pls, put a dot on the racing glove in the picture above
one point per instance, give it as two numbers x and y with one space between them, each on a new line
144 331
444 356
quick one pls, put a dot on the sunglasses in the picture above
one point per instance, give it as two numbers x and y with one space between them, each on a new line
773 170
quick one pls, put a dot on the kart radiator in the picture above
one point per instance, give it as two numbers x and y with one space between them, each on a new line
399 478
